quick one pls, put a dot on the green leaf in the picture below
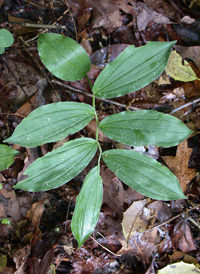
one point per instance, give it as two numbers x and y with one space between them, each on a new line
5 221
143 174
145 127
63 56
2 50
179 268
7 156
51 123
133 69
6 38
179 71
59 166
88 206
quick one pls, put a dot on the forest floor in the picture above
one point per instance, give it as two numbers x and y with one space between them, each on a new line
37 237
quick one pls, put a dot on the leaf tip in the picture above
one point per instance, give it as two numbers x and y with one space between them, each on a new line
6 140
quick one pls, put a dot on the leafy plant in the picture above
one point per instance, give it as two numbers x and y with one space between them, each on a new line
131 70
6 40
7 156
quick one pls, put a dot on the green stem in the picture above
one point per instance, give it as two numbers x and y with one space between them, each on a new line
97 121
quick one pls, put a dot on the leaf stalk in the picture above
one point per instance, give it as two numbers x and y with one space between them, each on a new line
97 120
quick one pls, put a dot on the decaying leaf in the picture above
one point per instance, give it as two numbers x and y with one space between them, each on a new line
131 221
20 258
179 164
178 70
141 245
178 268
9 206
182 237
192 53
147 14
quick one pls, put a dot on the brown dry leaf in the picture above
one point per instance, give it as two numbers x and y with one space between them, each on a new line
182 237
132 222
34 215
23 78
142 245
107 14
162 7
32 155
20 29
179 165
147 15
192 53
9 205
91 129
37 100
20 258
38 265
115 196
115 200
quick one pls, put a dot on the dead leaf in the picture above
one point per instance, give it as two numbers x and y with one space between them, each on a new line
43 265
23 78
161 211
106 14
104 55
151 269
132 222
192 53
179 165
177 70
182 237
20 258
9 205
34 215
163 80
91 129
187 20
178 268
20 29
141 245
162 7
147 14
32 155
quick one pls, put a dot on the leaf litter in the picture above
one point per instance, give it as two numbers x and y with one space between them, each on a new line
39 235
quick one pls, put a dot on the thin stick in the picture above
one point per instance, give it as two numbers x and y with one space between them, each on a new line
32 39
104 247
91 96
175 217
30 25
34 4
13 114
185 105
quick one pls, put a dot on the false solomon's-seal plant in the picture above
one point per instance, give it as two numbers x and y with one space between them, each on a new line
6 40
133 69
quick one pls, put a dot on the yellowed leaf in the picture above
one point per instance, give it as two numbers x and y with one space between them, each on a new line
179 268
178 70
179 164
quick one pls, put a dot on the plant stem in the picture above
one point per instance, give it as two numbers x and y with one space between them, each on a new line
97 120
